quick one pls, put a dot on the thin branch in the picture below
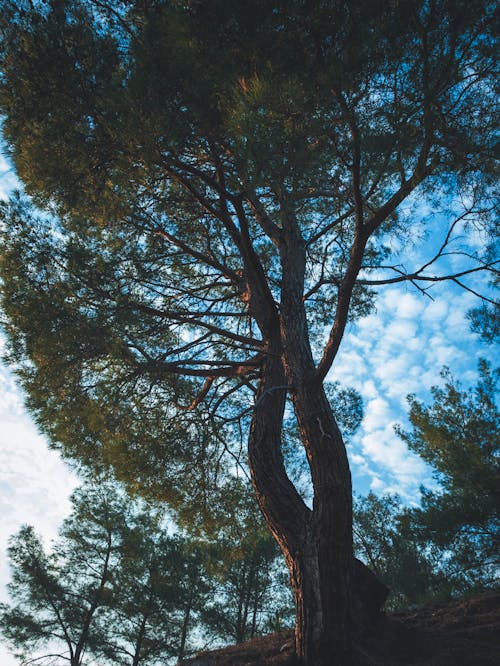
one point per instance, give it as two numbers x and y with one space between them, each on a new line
413 277
193 318
214 369
204 258
346 287
338 220
355 167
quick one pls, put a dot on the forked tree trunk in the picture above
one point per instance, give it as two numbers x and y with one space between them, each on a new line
328 586
334 594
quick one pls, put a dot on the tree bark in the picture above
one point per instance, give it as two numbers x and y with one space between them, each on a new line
337 598
330 554
329 586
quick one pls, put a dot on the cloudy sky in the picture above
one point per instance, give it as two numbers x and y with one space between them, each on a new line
400 349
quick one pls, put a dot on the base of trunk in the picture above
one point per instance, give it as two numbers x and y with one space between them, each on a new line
369 595
344 644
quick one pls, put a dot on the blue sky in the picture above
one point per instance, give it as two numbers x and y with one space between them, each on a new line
397 350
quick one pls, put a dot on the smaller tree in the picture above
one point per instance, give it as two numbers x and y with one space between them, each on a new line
459 436
115 589
384 539
251 592
58 595
158 591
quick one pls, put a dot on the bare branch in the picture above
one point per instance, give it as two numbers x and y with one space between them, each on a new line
417 277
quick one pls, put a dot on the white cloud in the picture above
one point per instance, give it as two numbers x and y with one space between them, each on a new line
8 180
396 351
435 311
406 305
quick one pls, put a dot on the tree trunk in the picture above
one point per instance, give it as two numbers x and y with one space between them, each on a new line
329 555
139 640
336 597
184 631
328 585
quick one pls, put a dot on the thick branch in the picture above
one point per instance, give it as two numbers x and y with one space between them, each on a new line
422 170
214 369
343 303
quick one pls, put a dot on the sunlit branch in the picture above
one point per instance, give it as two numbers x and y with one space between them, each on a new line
199 397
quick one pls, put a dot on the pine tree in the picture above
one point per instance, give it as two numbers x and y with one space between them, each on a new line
224 187
458 434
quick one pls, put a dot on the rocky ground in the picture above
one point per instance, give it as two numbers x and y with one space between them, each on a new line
464 633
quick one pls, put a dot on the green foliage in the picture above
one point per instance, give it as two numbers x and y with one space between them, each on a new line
165 143
458 434
117 587
57 596
114 586
485 319
385 539
35 582
450 545
251 594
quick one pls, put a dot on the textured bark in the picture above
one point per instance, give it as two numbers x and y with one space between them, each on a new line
330 549
337 598
328 585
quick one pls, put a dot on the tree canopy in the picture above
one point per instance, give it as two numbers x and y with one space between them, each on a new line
181 138
223 187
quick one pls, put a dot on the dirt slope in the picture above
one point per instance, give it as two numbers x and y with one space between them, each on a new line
465 633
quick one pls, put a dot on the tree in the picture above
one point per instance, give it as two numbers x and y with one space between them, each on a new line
485 319
250 593
115 588
386 539
449 545
159 591
58 595
458 435
225 186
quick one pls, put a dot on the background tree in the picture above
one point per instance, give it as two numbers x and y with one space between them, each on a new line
158 592
225 185
57 596
251 594
386 540
458 435
114 589
448 546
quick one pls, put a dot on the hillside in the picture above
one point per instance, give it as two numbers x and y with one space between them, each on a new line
464 633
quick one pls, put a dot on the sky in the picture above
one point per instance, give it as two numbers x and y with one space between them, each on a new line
397 350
